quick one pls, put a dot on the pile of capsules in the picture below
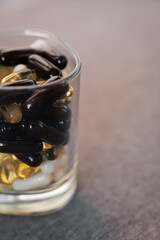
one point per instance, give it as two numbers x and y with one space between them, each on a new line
34 122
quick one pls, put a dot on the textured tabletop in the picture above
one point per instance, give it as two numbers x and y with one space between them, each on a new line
119 126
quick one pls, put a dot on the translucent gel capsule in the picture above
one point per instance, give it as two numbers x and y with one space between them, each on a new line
4 158
49 154
67 98
22 74
11 113
8 169
47 146
7 176
4 71
25 171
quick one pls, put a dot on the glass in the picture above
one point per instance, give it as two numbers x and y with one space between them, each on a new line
38 127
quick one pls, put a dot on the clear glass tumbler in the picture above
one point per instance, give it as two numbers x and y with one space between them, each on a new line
38 122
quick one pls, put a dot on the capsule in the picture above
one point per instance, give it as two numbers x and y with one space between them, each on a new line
63 125
67 98
4 71
8 96
57 111
20 147
32 160
60 61
22 74
60 125
11 113
7 130
49 154
24 82
13 56
19 67
25 171
46 133
37 180
21 128
7 176
37 101
43 67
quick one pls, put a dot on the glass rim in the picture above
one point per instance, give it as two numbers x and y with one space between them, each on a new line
45 34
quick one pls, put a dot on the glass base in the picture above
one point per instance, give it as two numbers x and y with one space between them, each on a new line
42 202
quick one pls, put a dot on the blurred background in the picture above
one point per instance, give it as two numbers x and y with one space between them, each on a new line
119 120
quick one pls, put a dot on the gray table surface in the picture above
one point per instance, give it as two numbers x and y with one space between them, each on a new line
119 126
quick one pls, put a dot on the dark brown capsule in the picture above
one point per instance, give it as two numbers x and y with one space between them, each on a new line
20 147
8 96
37 101
13 56
7 130
46 133
60 61
43 67
24 82
57 111
62 125
32 160
21 128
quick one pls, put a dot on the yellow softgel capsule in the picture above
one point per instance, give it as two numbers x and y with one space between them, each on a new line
68 96
19 75
4 71
8 168
25 171
7 176
11 112
47 146
4 158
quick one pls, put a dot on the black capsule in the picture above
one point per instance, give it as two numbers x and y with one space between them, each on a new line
38 101
60 61
21 130
57 111
8 96
18 83
32 160
43 67
46 133
13 56
20 147
62 125
7 130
